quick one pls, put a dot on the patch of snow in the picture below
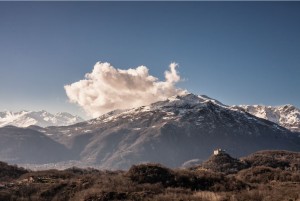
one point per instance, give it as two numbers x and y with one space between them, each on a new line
166 118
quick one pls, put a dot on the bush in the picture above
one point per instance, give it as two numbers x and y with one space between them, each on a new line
151 173
10 172
261 174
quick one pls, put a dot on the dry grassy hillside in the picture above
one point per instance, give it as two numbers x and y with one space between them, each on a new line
158 183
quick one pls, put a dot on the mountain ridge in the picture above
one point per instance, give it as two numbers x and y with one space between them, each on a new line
287 116
25 118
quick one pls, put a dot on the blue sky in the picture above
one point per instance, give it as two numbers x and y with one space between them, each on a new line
236 52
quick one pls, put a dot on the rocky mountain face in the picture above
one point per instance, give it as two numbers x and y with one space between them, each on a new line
287 116
170 132
41 118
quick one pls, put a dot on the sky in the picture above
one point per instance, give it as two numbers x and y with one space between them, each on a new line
235 52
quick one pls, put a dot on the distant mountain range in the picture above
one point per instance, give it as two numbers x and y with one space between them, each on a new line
41 118
287 116
172 132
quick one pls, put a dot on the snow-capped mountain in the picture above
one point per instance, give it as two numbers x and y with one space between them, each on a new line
41 118
170 132
287 116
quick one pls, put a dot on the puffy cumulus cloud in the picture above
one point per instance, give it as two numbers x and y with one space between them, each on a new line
107 88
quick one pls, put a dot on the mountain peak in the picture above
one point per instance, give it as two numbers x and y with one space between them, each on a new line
188 99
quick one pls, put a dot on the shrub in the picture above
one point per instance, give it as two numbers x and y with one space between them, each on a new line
151 173
261 174
10 172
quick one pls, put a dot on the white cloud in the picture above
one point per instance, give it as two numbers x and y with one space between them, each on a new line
107 88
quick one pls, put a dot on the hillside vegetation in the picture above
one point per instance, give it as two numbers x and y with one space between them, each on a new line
220 178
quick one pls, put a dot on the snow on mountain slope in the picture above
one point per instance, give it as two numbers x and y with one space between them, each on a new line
41 118
287 116
174 107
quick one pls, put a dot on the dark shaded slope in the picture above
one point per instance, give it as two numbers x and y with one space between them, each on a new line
21 145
